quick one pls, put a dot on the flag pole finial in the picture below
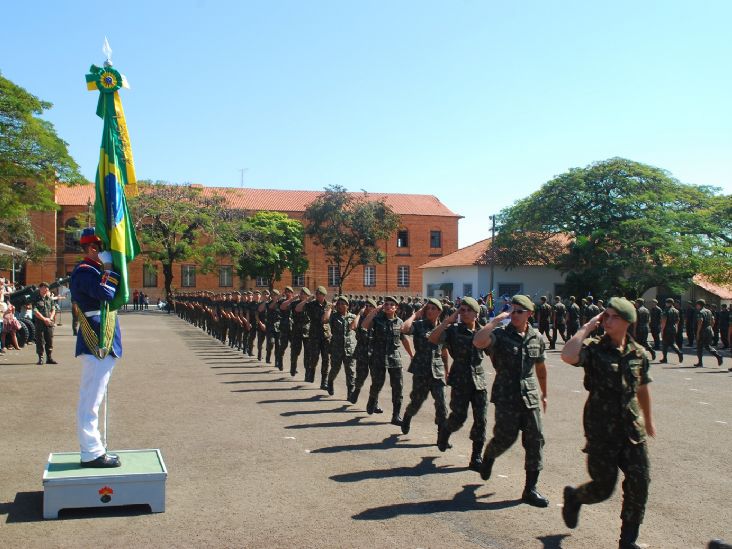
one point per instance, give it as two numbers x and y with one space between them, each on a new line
107 51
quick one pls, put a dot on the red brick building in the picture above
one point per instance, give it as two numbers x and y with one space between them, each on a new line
429 230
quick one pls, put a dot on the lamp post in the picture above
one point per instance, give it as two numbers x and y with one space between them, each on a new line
492 248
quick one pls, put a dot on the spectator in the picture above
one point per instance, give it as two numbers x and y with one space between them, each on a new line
11 325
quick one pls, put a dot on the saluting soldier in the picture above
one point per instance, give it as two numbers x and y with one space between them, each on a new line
317 342
467 378
704 333
427 366
517 353
44 319
272 323
252 312
300 332
285 324
363 352
343 325
669 328
386 335
616 376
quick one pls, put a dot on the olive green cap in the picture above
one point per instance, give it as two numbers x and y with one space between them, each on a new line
701 302
470 302
257 292
275 292
344 299
288 289
371 302
306 291
624 308
435 302
524 301
321 290
391 298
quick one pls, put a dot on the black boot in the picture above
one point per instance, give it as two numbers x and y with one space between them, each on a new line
50 360
371 406
40 360
396 419
476 459
571 508
531 495
443 438
354 395
406 423
653 354
377 408
487 467
329 387
628 535
324 384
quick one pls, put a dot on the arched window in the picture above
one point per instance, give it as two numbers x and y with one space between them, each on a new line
72 234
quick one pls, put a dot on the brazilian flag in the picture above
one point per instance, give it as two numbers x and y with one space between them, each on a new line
115 178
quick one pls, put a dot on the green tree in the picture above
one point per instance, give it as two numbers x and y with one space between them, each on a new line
349 227
633 227
177 223
32 159
267 244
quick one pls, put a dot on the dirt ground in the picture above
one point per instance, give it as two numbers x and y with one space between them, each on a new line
259 459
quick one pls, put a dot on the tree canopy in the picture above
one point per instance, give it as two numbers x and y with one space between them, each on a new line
633 226
349 227
267 244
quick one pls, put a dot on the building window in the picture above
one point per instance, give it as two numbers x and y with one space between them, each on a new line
188 276
403 238
226 276
369 275
435 239
467 290
72 234
261 282
509 290
150 275
334 278
298 280
403 276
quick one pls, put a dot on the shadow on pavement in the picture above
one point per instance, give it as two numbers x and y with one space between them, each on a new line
257 381
243 373
464 501
353 422
425 467
314 398
265 390
27 507
552 542
388 443
339 410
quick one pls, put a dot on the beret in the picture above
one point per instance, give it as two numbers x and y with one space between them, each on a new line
306 291
321 290
390 298
624 308
640 301
470 302
669 300
371 302
288 288
344 299
433 301
275 292
524 301
701 302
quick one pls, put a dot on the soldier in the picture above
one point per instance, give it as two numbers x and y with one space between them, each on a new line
427 366
300 331
724 315
656 313
616 376
704 333
680 333
261 314
559 322
467 378
385 337
690 321
343 326
573 312
44 319
544 316
517 353
641 327
272 324
363 352
252 317
669 328
285 324
317 338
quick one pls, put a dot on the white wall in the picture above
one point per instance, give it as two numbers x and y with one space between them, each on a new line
455 275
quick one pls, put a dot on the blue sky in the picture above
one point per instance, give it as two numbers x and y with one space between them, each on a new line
479 103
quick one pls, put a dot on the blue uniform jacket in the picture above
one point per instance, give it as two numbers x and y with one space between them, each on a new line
90 286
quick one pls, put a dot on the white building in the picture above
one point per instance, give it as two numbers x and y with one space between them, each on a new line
467 272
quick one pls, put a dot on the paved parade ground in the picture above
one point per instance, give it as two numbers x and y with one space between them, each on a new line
259 459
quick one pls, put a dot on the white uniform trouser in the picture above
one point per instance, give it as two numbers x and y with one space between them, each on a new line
95 376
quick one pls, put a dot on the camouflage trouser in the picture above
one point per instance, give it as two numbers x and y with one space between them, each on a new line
656 336
284 342
572 328
668 341
261 336
250 340
273 344
560 328
461 397
544 330
421 387
336 360
396 380
705 343
362 371
642 338
603 462
298 344
510 419
317 349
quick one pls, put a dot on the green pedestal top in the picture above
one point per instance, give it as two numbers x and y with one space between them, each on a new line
134 462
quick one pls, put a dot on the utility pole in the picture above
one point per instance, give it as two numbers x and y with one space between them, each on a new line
493 251
241 171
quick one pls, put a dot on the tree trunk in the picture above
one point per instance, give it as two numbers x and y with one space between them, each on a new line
167 277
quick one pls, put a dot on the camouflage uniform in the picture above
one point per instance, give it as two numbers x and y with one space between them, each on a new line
253 330
317 343
428 372
559 324
668 338
614 427
573 324
642 329
298 337
515 393
260 314
656 314
544 314
342 348
706 334
285 325
272 315
386 337
363 356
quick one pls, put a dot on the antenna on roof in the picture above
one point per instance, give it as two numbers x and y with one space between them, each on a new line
241 171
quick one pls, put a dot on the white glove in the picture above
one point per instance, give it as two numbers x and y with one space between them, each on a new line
106 258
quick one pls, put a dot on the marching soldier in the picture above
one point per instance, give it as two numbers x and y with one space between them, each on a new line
317 343
656 313
641 327
285 323
343 327
573 313
559 322
544 318
669 328
363 352
704 333
300 332
272 324
517 353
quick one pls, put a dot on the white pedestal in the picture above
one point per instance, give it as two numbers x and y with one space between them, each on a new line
140 480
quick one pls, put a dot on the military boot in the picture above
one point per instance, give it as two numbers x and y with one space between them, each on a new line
396 419
571 507
487 468
531 495
476 460
628 535
371 406
354 395
50 360
377 408
324 384
330 388
443 438
40 360
406 423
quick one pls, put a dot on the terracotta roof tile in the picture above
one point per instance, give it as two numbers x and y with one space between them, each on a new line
281 200
721 291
